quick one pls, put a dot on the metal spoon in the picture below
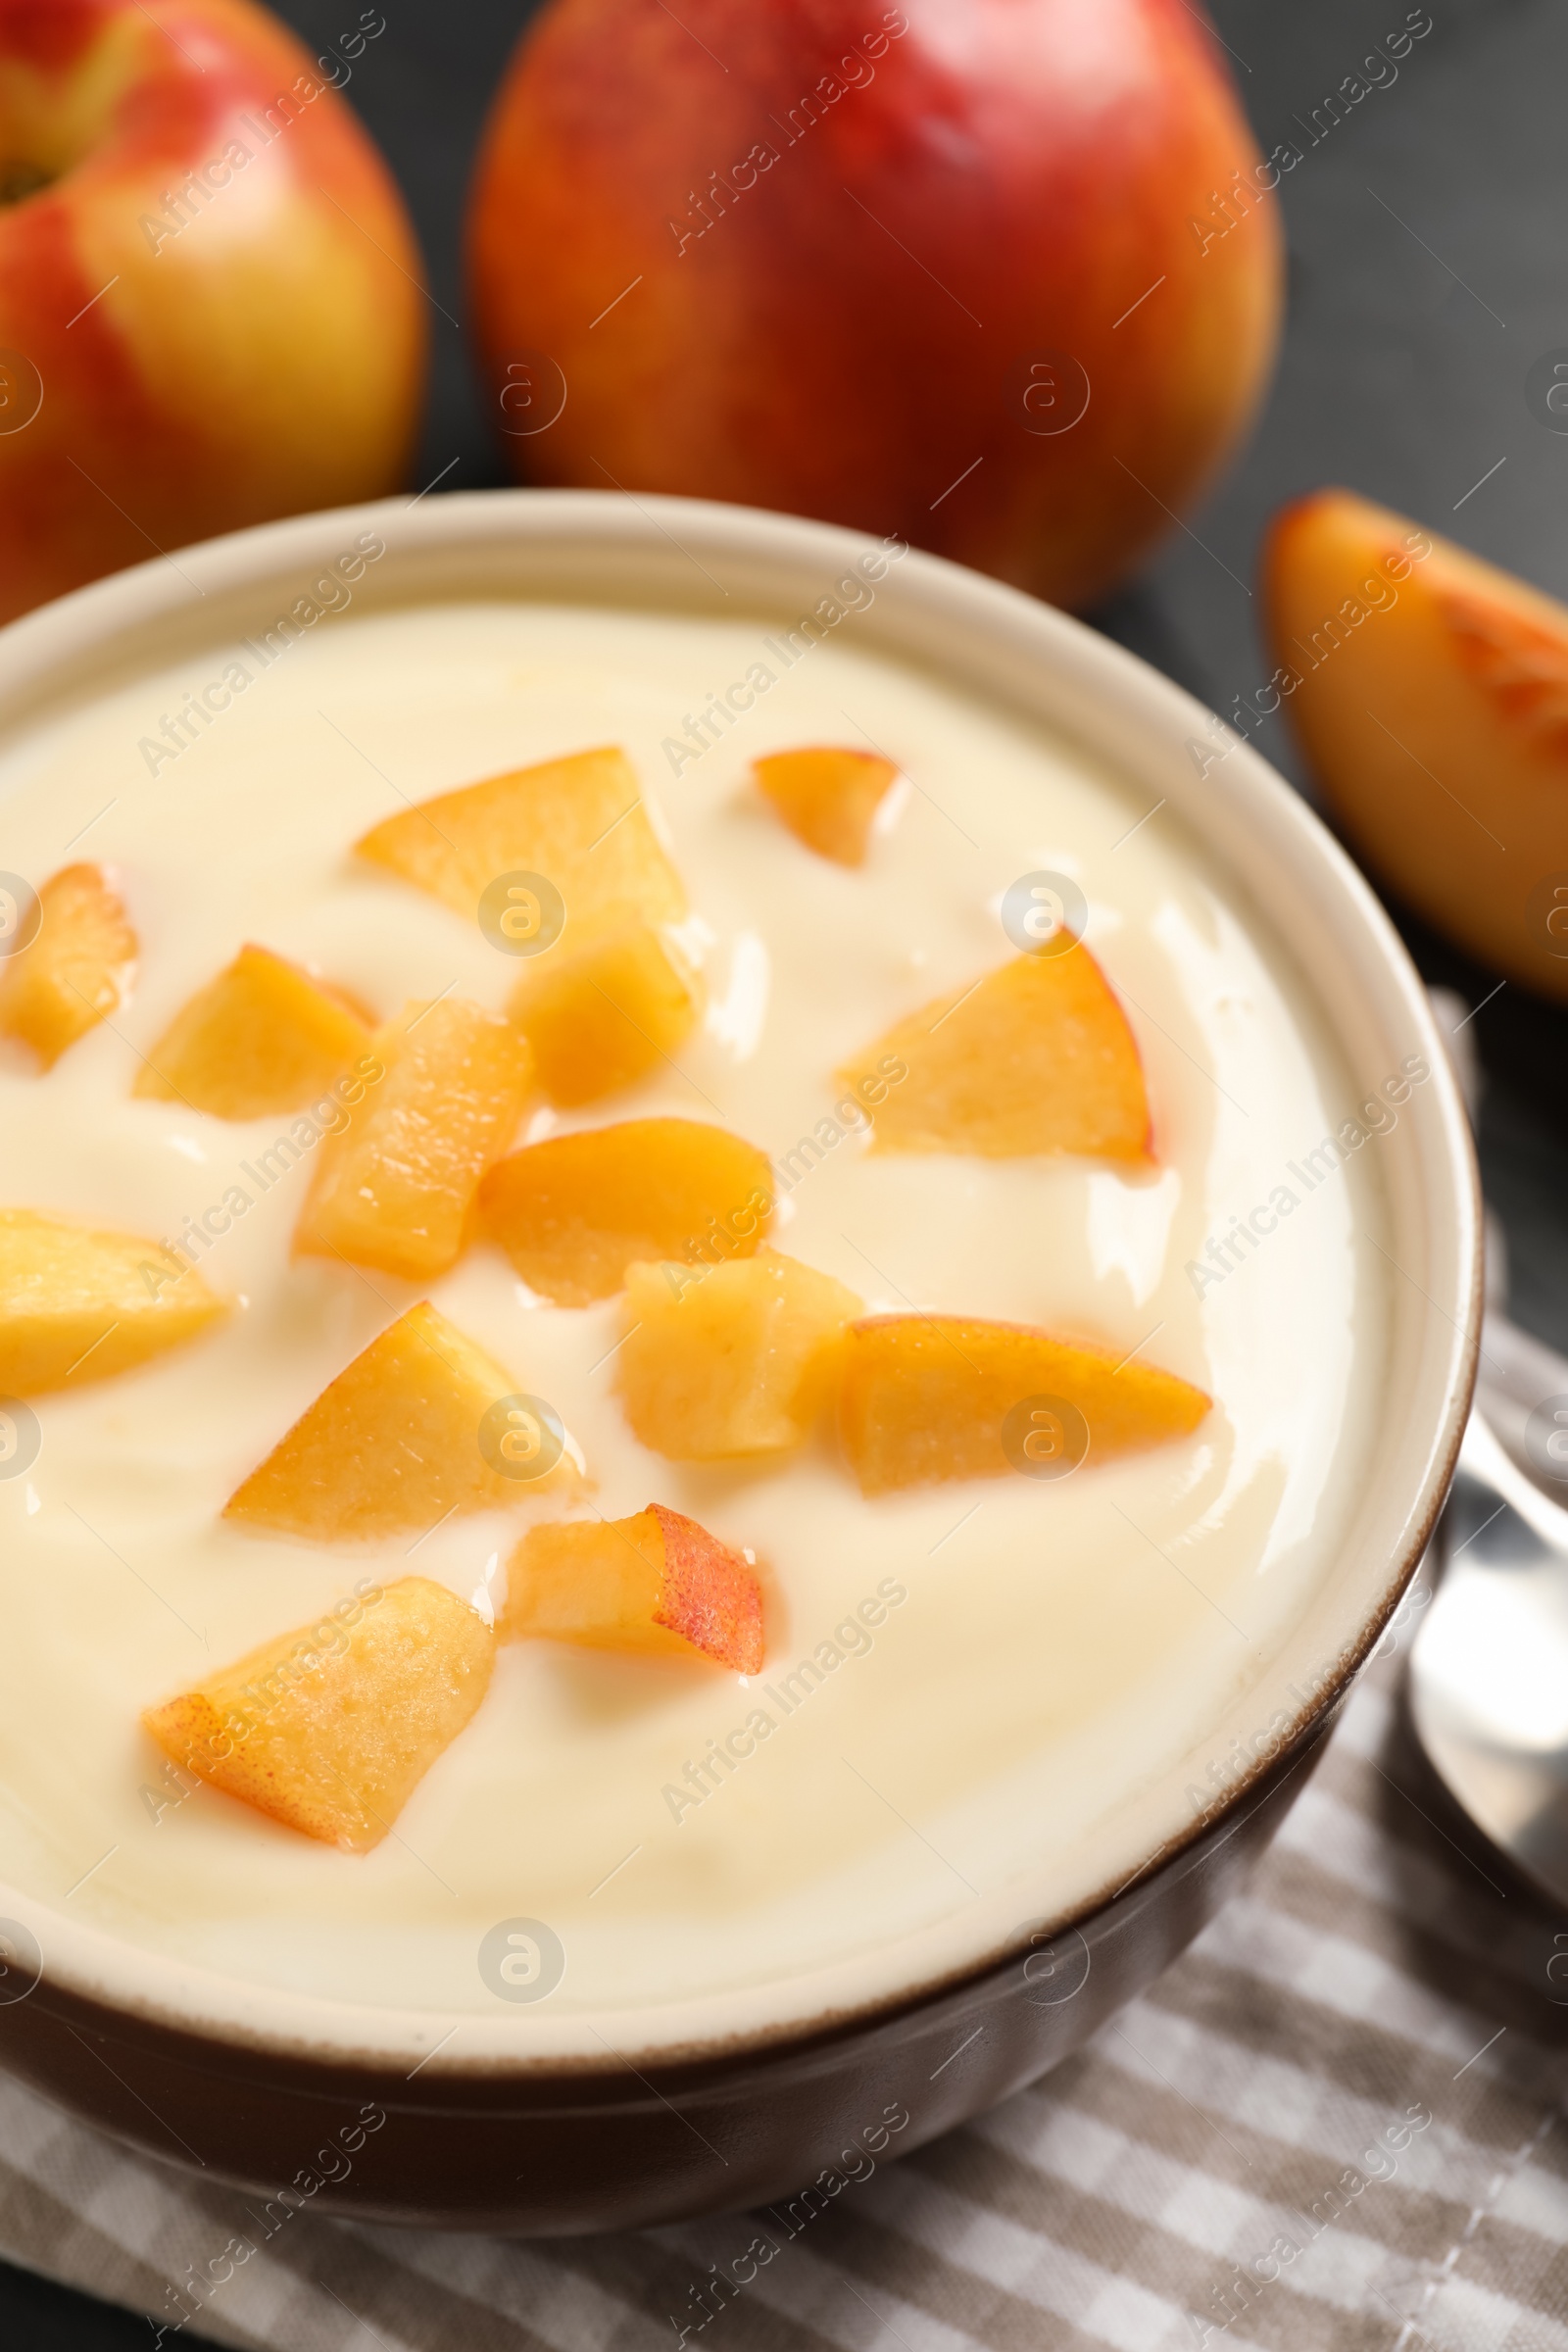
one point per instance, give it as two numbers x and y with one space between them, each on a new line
1488 1668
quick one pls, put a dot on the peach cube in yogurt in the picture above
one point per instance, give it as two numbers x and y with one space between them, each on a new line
828 799
1035 1057
604 1013
261 1039
75 970
573 1212
930 1398
424 1423
77 1305
395 1188
730 1359
579 824
657 1585
330 1729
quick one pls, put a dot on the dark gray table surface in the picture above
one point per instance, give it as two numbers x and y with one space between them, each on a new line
1429 267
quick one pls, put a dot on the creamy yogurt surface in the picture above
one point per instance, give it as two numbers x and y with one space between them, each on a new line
960 1682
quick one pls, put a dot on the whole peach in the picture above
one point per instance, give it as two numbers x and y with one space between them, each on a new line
1000 276
209 308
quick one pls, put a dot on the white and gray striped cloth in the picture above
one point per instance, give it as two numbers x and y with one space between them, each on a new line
1335 2124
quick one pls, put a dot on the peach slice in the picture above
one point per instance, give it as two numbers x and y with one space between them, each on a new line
421 1424
76 1304
332 1728
1036 1057
574 1212
394 1189
77 971
605 1011
1430 692
730 1359
581 822
261 1039
828 799
656 1584
928 1398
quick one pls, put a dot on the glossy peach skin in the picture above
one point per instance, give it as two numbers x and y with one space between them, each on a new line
266 359
853 330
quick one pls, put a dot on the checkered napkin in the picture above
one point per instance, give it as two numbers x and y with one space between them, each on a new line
1335 2125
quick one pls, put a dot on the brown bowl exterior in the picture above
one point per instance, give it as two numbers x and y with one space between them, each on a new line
561 2154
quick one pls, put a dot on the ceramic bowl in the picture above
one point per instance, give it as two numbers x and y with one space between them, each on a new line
534 2122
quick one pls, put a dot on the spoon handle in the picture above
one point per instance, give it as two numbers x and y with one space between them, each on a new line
1484 1462
1520 1381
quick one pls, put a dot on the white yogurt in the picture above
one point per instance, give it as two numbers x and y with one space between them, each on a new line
1057 1645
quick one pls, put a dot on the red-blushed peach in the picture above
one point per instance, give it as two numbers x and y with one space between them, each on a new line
999 277
210 301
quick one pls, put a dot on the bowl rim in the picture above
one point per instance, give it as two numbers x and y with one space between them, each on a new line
1080 685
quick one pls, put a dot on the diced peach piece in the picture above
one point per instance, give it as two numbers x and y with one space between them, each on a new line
828 799
730 1359
928 1398
1037 1059
577 822
403 1438
394 1189
332 1728
77 971
261 1039
76 1304
656 1584
603 1011
574 1212
1429 692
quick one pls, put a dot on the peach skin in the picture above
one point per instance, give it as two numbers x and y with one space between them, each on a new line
1430 695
